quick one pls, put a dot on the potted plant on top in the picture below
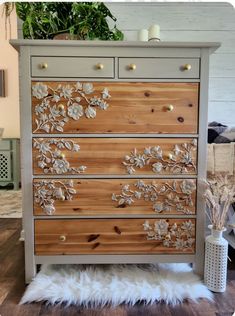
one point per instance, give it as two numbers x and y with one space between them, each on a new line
67 20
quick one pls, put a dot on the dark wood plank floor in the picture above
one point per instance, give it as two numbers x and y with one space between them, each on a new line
12 287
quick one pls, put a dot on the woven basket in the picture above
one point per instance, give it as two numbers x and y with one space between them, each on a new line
220 158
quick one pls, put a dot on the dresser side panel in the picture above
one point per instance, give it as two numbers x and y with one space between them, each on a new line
26 162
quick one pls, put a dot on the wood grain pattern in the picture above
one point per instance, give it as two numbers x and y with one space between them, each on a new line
134 108
105 155
107 236
94 197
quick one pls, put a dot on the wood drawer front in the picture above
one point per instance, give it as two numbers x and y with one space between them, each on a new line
72 67
114 236
127 108
114 197
114 156
151 68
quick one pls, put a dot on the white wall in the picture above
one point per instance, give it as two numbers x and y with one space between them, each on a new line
192 22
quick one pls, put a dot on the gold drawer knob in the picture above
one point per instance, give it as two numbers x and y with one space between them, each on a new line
132 67
99 66
43 66
61 107
61 156
170 108
187 67
62 238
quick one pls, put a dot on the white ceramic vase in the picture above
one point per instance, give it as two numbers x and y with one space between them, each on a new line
216 253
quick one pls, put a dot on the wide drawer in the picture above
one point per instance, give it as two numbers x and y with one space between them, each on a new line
114 156
114 196
112 236
72 67
106 107
151 68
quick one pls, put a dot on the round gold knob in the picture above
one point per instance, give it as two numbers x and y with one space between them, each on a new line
61 107
62 156
62 238
187 67
43 66
170 108
99 66
132 67
170 156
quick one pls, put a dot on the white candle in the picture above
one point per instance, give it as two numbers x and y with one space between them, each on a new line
154 32
143 35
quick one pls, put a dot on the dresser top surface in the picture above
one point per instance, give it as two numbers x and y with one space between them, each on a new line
76 43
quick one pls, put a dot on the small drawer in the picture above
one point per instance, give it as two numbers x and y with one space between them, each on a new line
105 197
5 144
150 68
72 67
114 236
115 156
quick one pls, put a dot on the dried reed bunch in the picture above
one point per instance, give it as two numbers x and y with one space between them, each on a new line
219 195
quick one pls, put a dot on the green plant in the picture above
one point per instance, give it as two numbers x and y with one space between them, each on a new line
82 20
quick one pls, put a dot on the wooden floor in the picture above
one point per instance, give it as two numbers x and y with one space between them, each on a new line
12 287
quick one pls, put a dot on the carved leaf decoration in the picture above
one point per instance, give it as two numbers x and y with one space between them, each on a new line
182 163
173 197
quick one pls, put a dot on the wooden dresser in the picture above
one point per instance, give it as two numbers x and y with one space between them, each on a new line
113 145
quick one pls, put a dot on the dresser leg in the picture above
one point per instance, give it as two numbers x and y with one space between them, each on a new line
30 272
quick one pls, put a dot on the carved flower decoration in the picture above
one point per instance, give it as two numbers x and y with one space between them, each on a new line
157 167
161 227
52 115
166 197
88 88
158 207
188 186
52 160
66 91
188 226
179 236
39 90
75 111
49 209
105 93
61 166
44 147
90 112
46 192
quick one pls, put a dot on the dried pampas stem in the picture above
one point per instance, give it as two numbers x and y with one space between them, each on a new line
219 195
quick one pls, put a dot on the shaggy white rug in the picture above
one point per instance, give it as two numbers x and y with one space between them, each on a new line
98 285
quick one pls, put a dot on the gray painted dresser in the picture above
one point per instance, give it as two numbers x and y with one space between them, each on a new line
113 144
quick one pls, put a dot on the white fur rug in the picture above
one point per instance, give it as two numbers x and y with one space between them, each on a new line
98 285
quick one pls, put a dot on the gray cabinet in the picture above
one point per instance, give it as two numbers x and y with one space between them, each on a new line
10 162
